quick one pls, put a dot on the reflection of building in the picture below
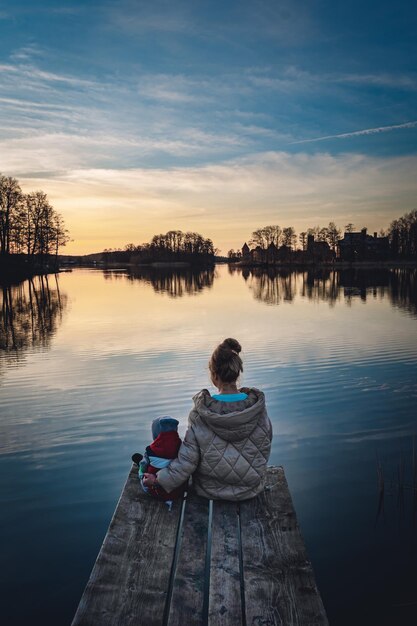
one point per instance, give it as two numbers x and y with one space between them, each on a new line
363 247
274 285
359 282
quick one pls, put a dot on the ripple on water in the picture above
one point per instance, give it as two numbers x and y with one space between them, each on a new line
340 385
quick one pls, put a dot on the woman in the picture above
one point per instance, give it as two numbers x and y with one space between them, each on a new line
227 445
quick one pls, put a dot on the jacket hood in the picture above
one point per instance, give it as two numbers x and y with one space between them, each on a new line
166 445
232 421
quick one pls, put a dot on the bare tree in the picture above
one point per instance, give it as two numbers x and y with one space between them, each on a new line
323 234
263 237
60 235
39 215
314 231
303 240
10 198
289 237
333 235
403 236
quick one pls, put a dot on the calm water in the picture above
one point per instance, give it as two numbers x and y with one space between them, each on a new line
88 358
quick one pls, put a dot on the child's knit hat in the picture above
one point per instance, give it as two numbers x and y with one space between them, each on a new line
163 424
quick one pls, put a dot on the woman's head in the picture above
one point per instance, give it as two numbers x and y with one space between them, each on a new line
225 364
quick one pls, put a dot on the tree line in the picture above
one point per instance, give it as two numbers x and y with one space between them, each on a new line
28 223
287 236
172 246
401 234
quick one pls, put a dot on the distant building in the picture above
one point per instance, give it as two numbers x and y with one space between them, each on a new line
258 255
272 254
245 252
318 251
284 254
360 246
269 256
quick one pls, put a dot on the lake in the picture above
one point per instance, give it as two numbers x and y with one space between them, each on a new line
88 358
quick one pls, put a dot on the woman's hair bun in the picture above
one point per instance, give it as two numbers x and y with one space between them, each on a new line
232 344
225 363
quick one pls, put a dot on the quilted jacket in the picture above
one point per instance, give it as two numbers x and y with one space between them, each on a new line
226 448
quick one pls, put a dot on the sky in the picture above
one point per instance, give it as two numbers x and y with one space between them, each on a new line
217 117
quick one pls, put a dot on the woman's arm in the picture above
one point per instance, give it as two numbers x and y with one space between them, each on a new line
179 470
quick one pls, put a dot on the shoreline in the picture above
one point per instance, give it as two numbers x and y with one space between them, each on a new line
16 272
332 266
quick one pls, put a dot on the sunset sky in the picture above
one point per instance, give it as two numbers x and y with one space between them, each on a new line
219 117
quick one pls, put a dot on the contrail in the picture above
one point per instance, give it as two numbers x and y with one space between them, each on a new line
366 131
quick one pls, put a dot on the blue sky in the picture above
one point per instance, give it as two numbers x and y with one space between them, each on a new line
213 116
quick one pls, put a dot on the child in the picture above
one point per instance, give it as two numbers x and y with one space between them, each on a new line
228 442
163 449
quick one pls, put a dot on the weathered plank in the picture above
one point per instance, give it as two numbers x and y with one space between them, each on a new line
259 571
129 581
279 583
225 599
188 590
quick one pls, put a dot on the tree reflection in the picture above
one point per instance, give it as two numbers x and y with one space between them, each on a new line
30 314
321 285
273 286
403 289
176 282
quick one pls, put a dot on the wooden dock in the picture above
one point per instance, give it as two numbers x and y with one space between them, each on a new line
205 562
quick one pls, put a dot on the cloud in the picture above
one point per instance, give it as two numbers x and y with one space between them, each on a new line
293 77
393 81
227 201
245 22
357 133
6 67
289 78
44 147
262 132
33 73
25 53
159 16
181 89
172 89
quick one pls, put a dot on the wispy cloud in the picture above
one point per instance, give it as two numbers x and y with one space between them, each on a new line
172 89
32 72
7 67
44 147
160 16
393 81
293 77
357 133
25 53
230 199
182 89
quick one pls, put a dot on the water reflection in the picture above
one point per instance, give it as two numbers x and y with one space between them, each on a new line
30 314
173 281
403 289
341 386
274 286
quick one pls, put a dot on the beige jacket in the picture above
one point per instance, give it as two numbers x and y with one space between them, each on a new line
226 448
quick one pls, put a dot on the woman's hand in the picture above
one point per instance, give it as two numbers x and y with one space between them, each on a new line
149 480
